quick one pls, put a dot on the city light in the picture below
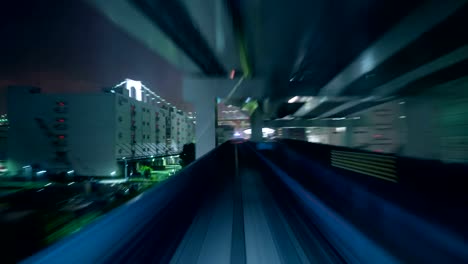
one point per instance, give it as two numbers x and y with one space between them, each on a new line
268 131
300 99
265 130
293 100
232 74
135 85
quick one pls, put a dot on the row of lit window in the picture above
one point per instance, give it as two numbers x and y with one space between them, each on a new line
60 123
147 123
133 151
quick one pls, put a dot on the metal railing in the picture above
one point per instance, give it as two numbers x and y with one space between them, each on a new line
375 165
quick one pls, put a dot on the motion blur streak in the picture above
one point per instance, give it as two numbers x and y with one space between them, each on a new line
294 209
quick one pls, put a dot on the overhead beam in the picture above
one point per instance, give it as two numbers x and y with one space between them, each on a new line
445 61
309 123
214 21
401 35
234 8
126 16
346 106
174 20
166 28
385 91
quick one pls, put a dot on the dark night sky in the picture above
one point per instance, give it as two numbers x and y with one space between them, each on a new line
68 46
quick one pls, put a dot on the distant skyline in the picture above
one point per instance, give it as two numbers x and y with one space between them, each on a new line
67 46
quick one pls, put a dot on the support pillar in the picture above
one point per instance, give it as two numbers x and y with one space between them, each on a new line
202 93
256 124
422 129
205 128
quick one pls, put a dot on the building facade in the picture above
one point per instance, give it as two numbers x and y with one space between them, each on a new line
91 134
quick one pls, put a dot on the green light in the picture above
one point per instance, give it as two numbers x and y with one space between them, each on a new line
250 106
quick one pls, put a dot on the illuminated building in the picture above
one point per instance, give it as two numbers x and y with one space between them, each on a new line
92 133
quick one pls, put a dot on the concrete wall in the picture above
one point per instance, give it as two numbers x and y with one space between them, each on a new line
92 133
87 137
123 126
438 123
380 128
161 126
27 143
423 137
202 93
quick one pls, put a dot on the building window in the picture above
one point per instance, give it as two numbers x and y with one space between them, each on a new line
60 126
60 109
133 92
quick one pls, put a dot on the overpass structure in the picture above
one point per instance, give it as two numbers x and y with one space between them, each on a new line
312 61
307 64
